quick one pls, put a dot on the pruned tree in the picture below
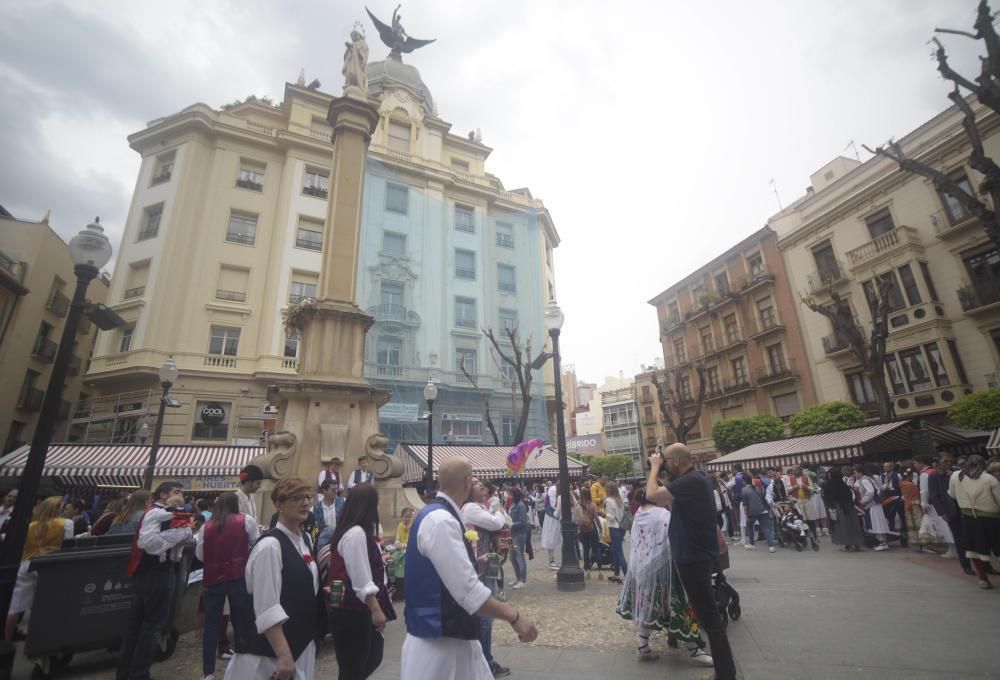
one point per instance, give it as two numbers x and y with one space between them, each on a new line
517 359
484 396
986 88
868 349
679 408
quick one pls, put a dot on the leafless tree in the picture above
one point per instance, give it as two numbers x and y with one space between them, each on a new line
867 349
986 88
485 397
517 359
678 407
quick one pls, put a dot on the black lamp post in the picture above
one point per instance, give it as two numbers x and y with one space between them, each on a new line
168 376
430 394
570 575
90 250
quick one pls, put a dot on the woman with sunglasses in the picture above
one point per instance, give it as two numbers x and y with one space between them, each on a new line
281 577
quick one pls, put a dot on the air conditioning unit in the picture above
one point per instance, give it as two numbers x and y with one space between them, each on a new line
270 410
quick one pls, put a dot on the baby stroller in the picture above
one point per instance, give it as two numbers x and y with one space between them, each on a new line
794 531
726 597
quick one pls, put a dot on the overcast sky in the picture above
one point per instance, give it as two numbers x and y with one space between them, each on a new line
650 129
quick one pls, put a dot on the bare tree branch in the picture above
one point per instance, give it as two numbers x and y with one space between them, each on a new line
957 32
485 397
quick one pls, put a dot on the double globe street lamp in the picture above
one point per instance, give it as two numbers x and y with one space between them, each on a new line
570 575
90 250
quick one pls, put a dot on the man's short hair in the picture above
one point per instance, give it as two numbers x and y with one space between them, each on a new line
362 458
328 484
167 487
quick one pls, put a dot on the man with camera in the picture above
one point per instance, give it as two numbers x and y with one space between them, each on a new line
694 543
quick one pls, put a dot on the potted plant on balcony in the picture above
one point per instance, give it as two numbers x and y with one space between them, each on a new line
298 314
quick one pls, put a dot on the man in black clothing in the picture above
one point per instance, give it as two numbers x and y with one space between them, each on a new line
694 543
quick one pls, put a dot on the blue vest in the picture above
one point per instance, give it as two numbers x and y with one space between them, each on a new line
431 611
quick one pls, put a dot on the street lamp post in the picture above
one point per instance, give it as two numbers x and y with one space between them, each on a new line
168 376
90 250
430 394
570 575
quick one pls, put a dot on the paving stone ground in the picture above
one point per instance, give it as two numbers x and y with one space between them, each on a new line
805 615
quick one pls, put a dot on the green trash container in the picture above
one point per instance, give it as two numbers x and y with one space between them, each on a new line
83 600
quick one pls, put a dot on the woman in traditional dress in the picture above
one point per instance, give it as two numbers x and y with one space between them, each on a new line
839 498
46 534
357 621
652 596
551 529
281 576
978 496
802 490
868 489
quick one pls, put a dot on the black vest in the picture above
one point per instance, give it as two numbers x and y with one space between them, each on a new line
298 599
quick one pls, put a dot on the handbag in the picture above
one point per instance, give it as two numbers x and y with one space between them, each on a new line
626 521
833 514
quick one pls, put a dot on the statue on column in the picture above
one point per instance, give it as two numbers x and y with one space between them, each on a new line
356 62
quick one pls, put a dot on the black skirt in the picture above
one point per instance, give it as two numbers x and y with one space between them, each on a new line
980 535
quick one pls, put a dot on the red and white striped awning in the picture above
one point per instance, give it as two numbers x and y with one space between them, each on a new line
993 445
488 462
125 465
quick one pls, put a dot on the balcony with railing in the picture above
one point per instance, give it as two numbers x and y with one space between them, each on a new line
243 239
249 184
75 364
390 312
730 338
713 390
883 245
978 297
44 349
308 244
64 409
58 304
947 223
672 322
677 359
136 292
993 379
316 192
757 277
220 361
230 295
164 176
776 372
505 240
737 385
30 399
835 344
507 286
767 324
465 322
824 279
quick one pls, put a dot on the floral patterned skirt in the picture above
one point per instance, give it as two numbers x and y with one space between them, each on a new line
671 612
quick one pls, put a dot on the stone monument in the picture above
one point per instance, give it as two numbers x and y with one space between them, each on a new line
329 409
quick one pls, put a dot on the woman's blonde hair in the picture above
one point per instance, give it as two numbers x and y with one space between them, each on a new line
47 510
613 493
139 500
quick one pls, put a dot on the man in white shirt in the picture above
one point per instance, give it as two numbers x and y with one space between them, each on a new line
444 593
330 472
250 480
485 521
361 475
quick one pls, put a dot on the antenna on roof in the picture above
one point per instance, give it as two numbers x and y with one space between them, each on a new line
852 146
774 188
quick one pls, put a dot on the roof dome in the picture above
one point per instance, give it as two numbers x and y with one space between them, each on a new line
391 72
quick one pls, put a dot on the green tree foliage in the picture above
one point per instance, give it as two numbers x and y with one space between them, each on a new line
833 415
617 465
735 433
252 98
977 411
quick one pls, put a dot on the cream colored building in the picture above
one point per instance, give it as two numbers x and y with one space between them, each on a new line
859 221
36 287
225 231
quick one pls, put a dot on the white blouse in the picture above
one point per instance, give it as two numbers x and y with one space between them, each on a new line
353 547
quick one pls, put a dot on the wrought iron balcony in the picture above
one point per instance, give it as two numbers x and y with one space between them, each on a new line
249 184
164 176
230 295
75 364
505 240
245 239
834 344
317 192
461 322
776 372
895 239
949 222
138 291
823 279
976 296
767 324
58 304
757 276
30 399
736 385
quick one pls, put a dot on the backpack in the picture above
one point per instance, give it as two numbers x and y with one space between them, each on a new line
626 521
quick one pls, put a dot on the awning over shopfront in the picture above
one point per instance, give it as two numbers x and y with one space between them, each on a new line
488 462
197 467
993 445
840 446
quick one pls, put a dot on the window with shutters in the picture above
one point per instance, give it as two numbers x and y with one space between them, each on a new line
465 312
151 226
506 278
465 264
136 278
397 198
232 284
399 136
242 228
508 319
309 234
465 219
505 235
393 244
300 289
786 405
251 175
880 223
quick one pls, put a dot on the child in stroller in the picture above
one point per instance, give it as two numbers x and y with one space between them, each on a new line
794 530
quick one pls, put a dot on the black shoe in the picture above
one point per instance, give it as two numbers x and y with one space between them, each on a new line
969 571
499 671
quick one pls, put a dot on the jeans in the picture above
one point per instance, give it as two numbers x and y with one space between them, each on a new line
486 624
213 599
153 590
697 581
618 551
590 549
358 645
762 520
517 556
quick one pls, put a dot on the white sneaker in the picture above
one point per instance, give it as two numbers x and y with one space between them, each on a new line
513 583
951 554
881 547
748 546
772 549
699 657
518 585
553 567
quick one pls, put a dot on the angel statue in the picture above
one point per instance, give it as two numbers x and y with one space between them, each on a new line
356 63
395 37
